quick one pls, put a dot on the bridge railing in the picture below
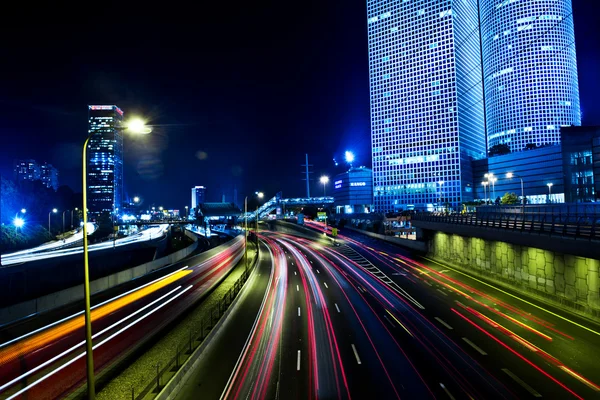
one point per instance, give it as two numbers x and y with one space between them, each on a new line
571 226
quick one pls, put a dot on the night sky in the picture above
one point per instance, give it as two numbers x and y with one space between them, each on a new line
238 91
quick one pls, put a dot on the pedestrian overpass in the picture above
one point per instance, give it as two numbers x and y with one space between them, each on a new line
278 204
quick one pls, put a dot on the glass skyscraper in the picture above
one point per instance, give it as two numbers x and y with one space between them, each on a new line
427 113
530 69
105 159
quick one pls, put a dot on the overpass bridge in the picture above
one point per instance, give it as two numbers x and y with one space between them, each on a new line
278 203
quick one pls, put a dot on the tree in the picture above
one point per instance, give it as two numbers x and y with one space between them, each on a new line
499 150
509 198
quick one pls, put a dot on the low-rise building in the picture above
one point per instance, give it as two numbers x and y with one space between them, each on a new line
353 191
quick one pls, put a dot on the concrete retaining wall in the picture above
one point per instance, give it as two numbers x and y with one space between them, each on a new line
75 293
562 278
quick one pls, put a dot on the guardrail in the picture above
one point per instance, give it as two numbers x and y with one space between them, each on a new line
575 227
196 337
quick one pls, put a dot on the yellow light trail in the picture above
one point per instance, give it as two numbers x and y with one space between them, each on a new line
44 338
517 297
399 323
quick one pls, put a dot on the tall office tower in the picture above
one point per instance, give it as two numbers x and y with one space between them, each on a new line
26 170
105 159
530 70
427 117
49 176
198 196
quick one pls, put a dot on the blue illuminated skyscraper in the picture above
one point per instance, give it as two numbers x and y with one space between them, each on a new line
105 159
427 113
530 70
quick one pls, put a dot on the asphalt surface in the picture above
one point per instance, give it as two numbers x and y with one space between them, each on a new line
219 358
366 320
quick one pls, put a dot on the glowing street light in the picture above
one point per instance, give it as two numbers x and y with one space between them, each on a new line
54 210
160 208
549 184
324 180
260 194
349 157
135 126
18 222
138 126
136 199
510 175
23 211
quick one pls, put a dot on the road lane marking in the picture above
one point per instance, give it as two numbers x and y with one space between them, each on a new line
337 308
295 273
399 323
473 345
297 288
356 354
441 321
447 391
444 293
324 283
531 390
298 311
318 272
298 362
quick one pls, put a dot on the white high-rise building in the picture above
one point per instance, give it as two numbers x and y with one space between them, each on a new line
198 196
530 69
427 113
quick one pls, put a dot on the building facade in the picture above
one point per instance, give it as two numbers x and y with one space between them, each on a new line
105 159
26 171
530 70
537 168
49 176
198 196
353 191
581 163
427 114
31 170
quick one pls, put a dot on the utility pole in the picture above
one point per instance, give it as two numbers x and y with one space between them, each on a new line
307 179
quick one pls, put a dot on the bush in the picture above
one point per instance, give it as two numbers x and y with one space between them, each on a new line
13 239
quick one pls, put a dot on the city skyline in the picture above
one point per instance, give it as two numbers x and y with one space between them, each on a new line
197 103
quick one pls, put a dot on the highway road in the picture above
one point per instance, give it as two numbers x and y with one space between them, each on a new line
366 319
49 362
536 350
50 251
329 329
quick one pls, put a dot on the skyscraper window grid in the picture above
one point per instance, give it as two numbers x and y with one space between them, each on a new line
530 70
105 159
416 104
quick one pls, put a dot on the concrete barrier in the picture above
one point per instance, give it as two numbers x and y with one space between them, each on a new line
63 297
411 244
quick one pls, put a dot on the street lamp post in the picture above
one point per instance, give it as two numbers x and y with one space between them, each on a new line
54 210
246 230
187 213
324 179
549 184
136 126
63 220
510 175
260 195
484 183
76 209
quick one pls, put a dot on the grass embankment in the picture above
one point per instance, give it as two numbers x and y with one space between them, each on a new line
143 370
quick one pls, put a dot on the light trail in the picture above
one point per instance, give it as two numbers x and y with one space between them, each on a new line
26 388
42 339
